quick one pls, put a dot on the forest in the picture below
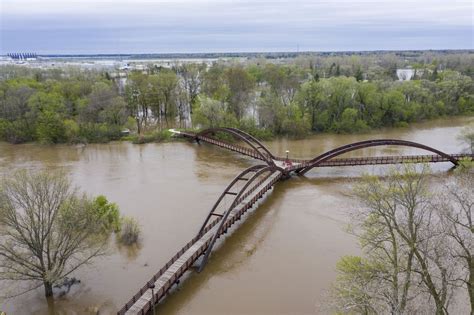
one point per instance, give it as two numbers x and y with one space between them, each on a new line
265 97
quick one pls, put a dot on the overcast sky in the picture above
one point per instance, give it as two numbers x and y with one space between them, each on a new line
147 26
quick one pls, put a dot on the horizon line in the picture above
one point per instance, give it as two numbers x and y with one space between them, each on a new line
241 52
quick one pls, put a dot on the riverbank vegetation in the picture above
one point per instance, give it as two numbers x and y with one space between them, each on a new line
48 230
266 97
417 245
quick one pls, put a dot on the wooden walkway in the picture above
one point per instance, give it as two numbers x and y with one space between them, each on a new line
383 160
141 303
297 164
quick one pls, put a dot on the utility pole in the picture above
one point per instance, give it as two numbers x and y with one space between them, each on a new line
135 95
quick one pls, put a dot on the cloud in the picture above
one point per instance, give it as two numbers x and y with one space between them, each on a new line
225 25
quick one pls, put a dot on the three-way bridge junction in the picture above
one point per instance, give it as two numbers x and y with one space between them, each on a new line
247 188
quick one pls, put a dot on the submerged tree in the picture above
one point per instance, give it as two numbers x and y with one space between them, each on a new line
47 230
456 210
407 266
467 137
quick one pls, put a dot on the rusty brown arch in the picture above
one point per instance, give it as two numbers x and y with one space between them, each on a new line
227 190
366 144
249 176
254 143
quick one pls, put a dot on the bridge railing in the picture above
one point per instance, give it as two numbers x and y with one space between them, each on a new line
232 147
334 161
189 262
252 201
155 277
247 151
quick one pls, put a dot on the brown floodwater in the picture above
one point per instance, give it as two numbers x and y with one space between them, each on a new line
280 261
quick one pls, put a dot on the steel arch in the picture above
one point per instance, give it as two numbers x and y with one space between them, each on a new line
255 144
226 191
370 143
239 196
255 140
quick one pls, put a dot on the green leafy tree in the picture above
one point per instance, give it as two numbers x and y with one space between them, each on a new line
214 83
271 112
50 128
359 75
368 102
167 85
109 212
212 113
350 122
354 287
313 99
48 110
241 86
283 80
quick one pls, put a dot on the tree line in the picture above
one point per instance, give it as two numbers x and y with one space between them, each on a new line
293 97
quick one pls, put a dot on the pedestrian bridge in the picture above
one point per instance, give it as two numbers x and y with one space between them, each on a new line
247 188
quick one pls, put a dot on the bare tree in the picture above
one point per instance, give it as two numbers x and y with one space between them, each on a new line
419 230
467 137
191 79
406 254
386 203
457 217
47 230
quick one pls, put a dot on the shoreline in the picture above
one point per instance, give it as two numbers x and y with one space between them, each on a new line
445 121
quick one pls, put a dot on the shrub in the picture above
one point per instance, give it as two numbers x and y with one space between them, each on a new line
130 232
71 131
98 133
108 212
17 131
250 126
157 136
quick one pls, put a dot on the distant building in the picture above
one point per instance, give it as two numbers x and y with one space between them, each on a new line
411 74
23 56
405 74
